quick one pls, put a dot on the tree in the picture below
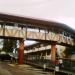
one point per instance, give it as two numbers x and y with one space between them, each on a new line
9 44
69 51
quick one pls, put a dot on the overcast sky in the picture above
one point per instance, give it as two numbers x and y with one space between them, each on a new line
56 10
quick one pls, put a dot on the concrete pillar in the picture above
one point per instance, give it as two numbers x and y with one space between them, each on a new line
46 56
21 51
53 52
41 56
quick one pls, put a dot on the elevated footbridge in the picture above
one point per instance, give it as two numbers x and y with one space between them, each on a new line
17 27
23 28
18 33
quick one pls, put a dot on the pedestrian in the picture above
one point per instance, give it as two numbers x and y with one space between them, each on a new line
60 63
44 66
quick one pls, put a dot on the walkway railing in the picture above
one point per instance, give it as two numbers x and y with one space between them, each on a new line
67 65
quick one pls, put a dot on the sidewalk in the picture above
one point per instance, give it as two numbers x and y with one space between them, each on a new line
14 69
4 71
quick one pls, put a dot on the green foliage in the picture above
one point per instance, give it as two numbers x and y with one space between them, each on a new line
69 51
9 44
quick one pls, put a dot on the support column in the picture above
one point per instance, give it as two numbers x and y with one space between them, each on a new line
21 51
53 52
46 56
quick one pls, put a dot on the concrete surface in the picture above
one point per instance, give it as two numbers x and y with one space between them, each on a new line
13 69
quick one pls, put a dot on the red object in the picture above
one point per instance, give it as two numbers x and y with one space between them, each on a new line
56 62
21 52
20 56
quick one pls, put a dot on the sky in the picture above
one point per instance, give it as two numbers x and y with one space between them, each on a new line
54 10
